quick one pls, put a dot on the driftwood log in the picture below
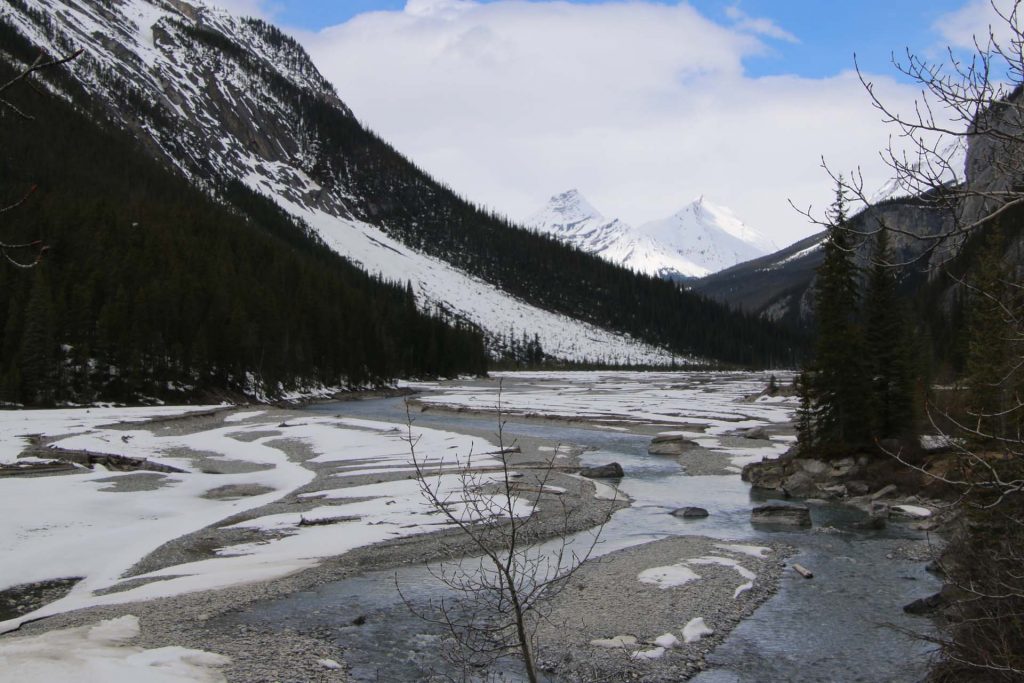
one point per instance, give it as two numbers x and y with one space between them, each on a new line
117 463
803 571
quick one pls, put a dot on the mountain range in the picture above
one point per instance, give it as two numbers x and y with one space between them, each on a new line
235 118
699 239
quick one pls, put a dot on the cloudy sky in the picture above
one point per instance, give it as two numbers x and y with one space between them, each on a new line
642 105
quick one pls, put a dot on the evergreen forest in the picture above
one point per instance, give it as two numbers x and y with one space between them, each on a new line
150 287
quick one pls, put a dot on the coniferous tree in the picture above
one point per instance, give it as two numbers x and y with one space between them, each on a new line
805 428
989 337
887 343
838 385
39 345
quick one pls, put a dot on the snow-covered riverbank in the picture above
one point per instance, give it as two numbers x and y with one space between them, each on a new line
237 518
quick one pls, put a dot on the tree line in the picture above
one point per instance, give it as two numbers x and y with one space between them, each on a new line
861 384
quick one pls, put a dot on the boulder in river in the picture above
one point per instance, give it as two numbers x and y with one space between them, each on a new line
801 485
754 433
612 470
767 475
872 523
671 444
690 513
926 605
779 513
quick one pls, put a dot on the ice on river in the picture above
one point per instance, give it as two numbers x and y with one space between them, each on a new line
711 405
96 524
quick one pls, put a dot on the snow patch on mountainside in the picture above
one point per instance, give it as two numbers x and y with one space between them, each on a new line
438 285
701 239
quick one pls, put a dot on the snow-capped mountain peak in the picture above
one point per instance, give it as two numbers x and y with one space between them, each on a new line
697 240
569 217
710 235
564 212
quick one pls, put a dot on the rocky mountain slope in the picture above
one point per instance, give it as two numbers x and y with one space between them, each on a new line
780 286
222 99
700 239
571 219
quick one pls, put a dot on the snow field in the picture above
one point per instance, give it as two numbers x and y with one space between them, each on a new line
102 653
16 426
436 282
712 405
97 524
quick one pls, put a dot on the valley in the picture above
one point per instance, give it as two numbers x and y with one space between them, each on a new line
289 392
236 565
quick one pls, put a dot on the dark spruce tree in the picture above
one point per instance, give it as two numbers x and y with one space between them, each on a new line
888 347
837 383
990 338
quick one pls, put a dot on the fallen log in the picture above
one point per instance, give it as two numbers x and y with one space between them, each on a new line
118 463
803 571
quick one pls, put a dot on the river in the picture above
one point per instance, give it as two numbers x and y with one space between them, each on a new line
846 624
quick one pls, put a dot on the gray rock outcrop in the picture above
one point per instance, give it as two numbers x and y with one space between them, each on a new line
690 513
612 470
779 513
671 444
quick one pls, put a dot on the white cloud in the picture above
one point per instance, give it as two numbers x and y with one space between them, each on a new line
641 105
975 21
758 25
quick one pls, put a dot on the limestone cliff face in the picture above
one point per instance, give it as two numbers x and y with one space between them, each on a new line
995 175
926 230
995 157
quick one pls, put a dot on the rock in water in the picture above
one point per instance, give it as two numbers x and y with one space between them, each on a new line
690 513
670 444
777 513
612 470
872 523
765 475
925 605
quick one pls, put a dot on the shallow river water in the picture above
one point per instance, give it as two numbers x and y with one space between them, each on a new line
846 624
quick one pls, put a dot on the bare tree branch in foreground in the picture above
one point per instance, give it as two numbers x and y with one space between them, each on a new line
499 593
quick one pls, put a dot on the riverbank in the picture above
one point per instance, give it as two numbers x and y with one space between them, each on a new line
653 612
192 620
350 480
186 620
